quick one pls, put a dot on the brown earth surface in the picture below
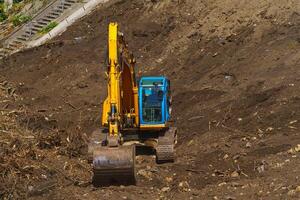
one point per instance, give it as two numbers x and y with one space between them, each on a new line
235 73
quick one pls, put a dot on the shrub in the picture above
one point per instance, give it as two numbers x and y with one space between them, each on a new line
20 19
16 8
3 15
48 28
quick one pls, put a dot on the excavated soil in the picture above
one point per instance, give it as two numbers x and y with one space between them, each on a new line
234 68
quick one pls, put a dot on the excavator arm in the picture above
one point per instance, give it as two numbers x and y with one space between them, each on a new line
121 105
113 100
113 162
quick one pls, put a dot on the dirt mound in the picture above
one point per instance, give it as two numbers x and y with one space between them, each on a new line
234 68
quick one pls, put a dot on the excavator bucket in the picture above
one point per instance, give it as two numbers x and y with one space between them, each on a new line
114 165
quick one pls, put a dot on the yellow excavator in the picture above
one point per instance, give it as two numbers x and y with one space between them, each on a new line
135 112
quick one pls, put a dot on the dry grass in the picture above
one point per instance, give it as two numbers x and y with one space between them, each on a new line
16 145
27 158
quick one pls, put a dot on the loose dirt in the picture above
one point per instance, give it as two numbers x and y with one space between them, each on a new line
234 68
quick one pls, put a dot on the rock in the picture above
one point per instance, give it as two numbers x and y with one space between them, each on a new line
230 198
248 145
184 186
235 184
260 131
235 174
297 189
221 184
169 179
225 156
215 54
293 122
228 77
165 189
78 38
30 188
294 150
260 169
291 193
44 176
145 174
139 159
153 170
236 157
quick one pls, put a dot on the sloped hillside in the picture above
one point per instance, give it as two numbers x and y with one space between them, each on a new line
234 68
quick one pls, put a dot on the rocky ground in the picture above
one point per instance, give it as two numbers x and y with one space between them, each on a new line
234 68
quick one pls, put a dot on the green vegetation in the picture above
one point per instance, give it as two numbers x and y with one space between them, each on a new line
3 14
20 19
16 7
12 13
48 28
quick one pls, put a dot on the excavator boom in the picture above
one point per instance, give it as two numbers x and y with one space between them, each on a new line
112 162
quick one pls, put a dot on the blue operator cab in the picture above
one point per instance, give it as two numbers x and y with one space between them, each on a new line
154 101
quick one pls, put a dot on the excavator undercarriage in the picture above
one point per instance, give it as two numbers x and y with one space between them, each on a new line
116 165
